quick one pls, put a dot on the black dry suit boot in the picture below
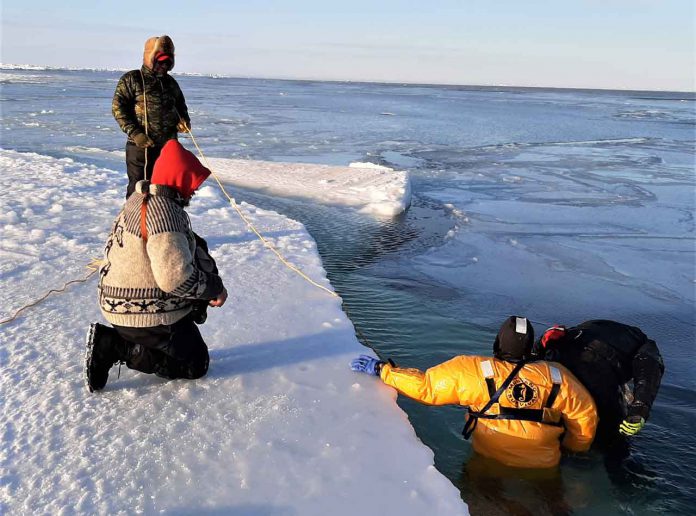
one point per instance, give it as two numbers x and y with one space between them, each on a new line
102 352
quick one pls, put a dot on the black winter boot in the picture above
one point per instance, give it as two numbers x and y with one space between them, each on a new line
102 352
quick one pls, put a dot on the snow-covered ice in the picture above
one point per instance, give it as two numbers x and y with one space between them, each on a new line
279 426
370 188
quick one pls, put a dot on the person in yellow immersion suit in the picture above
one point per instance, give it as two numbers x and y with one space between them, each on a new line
520 411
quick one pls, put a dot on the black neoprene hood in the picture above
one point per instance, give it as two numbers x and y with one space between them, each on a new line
515 339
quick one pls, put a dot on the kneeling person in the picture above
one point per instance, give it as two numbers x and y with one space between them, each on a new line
520 411
157 273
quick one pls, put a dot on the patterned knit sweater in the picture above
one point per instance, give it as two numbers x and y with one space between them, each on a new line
151 282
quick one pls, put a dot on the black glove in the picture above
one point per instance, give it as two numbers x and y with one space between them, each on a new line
142 140
199 311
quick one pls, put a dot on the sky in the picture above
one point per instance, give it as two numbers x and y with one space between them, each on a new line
622 44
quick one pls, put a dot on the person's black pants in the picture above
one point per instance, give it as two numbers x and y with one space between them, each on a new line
170 351
135 164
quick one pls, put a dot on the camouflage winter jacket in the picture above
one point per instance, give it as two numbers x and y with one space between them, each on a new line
165 105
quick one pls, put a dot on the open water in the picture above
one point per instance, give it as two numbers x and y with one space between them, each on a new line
561 205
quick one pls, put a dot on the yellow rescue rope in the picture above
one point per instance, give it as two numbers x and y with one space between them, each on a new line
93 266
251 226
270 246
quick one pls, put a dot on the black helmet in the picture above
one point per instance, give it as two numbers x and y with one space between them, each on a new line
515 339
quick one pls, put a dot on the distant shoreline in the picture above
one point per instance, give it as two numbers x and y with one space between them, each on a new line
467 87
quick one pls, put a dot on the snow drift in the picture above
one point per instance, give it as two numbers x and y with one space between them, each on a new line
369 188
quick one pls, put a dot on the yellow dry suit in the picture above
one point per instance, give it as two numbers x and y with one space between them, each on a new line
519 419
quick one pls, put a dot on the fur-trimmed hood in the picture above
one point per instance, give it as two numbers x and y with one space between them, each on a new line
154 46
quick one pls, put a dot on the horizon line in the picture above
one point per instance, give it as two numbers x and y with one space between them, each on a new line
27 66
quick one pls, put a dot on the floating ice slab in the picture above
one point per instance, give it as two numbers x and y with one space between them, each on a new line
370 188
280 426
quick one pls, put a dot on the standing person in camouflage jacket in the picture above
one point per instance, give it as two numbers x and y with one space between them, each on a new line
150 108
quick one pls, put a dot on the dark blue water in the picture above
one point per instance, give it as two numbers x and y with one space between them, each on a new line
559 205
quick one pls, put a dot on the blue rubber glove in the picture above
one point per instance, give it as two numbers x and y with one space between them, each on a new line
366 364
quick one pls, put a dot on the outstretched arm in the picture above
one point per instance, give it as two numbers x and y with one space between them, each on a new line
439 385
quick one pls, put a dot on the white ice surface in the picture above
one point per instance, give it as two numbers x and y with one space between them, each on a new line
369 188
279 426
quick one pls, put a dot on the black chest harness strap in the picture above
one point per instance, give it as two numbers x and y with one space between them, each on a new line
520 414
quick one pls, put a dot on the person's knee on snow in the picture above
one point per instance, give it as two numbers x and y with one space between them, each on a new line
198 368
